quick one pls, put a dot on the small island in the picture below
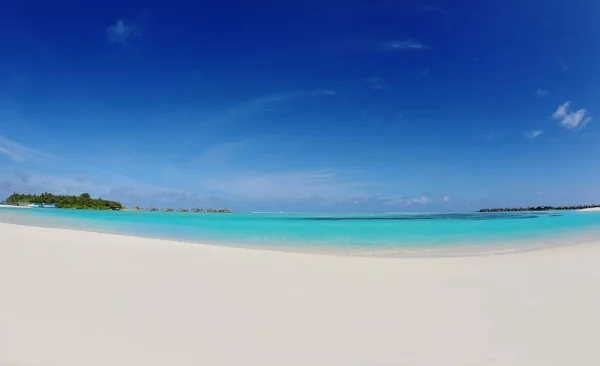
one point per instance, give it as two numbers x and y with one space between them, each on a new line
86 202
539 208
180 210
83 201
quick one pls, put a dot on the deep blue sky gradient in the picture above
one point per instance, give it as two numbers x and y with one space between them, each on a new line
302 105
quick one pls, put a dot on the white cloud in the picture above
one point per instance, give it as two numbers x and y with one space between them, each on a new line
420 200
403 45
19 153
122 32
383 46
533 134
446 199
323 92
541 92
561 111
571 120
281 186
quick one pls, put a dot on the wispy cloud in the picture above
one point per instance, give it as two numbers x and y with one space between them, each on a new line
225 170
20 153
403 45
222 153
262 104
126 190
541 92
281 185
419 200
571 120
323 92
376 82
533 134
222 175
122 32
406 201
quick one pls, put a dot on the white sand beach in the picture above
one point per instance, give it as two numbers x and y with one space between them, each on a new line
592 209
73 298
11 206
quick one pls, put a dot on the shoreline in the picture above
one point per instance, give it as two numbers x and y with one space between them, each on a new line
500 248
420 253
593 209
11 206
82 298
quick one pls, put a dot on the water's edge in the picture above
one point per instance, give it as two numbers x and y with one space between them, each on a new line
591 236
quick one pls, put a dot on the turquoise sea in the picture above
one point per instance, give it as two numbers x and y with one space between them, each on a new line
372 234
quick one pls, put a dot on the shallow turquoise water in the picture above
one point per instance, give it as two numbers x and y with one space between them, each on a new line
310 232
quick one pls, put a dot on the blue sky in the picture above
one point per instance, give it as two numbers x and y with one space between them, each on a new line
302 105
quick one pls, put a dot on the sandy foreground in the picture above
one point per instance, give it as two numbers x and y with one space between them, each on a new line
70 298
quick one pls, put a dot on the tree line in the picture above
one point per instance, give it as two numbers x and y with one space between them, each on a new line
538 208
83 201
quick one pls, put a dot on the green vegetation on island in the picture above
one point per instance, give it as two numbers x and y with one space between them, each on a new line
83 201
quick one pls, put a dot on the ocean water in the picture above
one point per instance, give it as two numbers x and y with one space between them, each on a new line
370 234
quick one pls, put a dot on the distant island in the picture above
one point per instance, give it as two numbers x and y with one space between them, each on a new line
83 201
168 209
539 208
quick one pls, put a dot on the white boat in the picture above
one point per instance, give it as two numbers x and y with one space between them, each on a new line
42 205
